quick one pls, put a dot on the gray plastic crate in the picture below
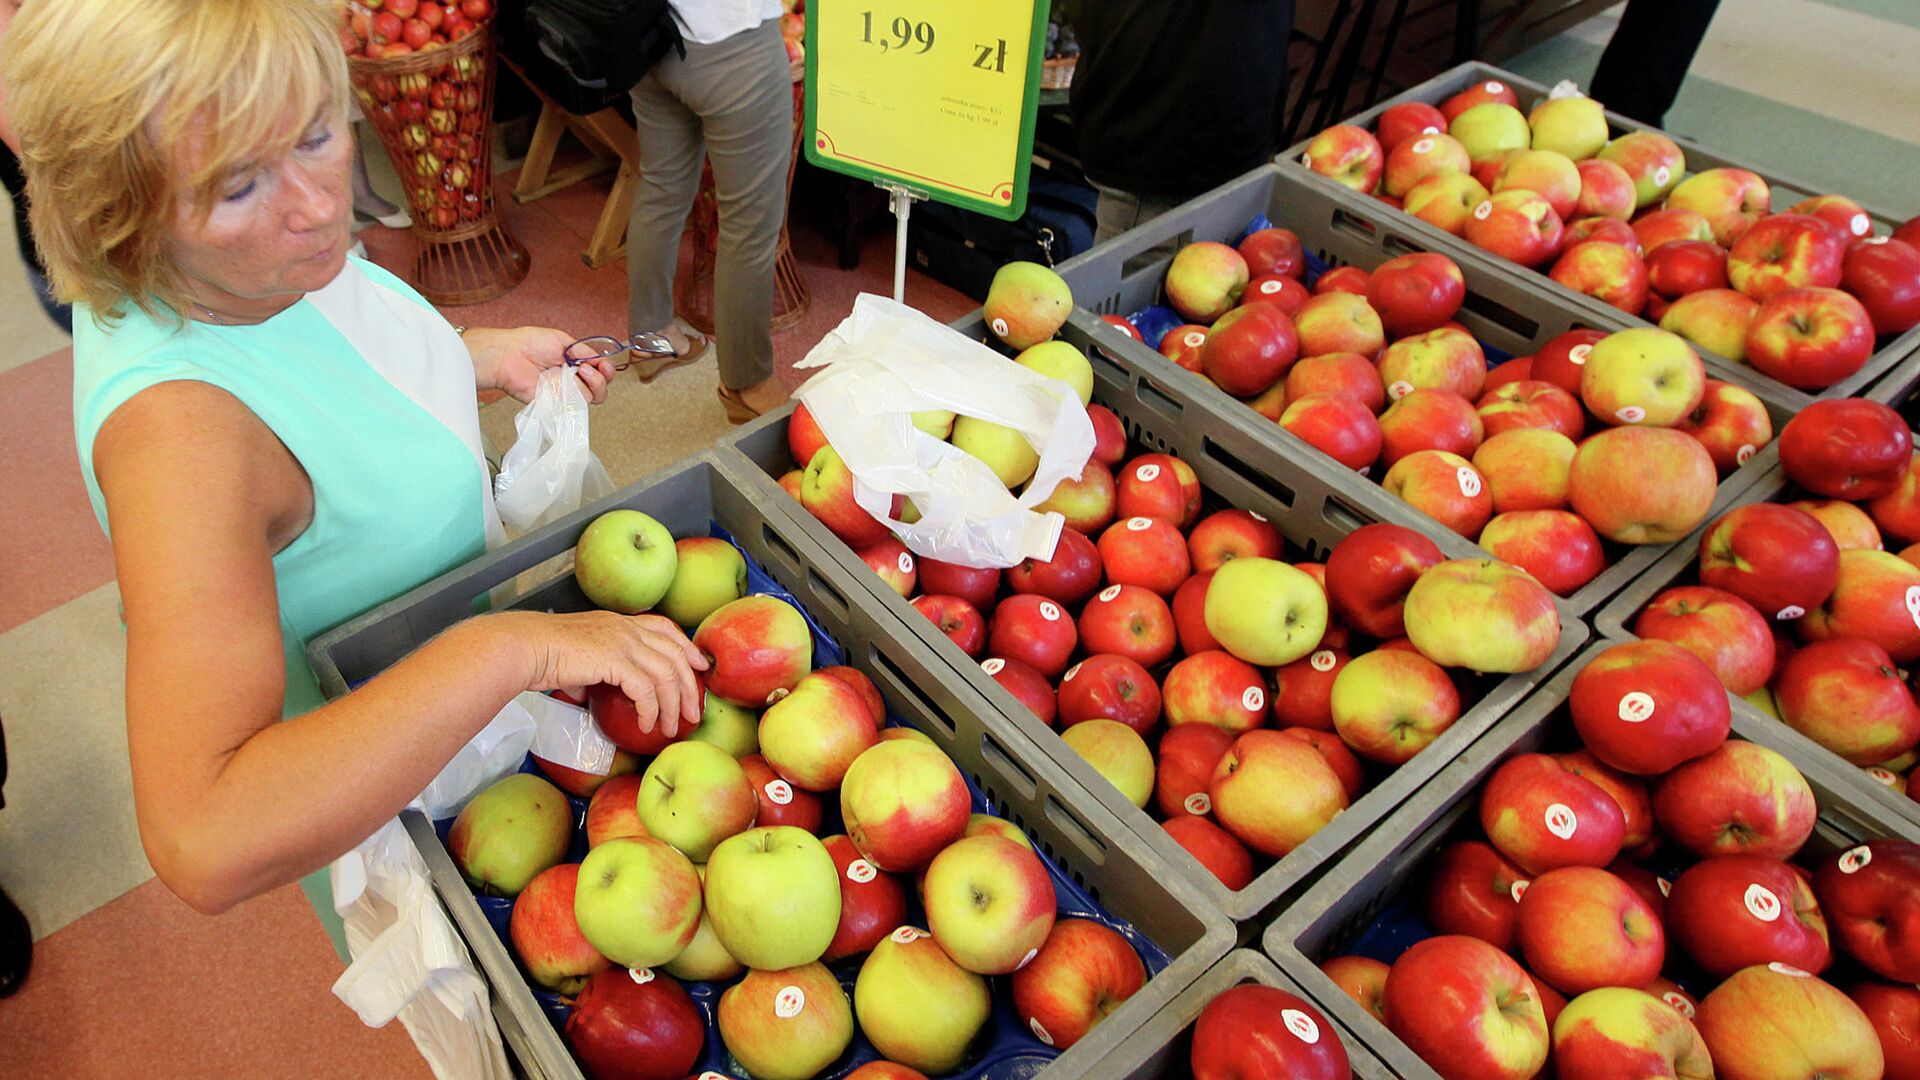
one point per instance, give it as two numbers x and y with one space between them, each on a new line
1160 1047
1785 191
1504 312
1323 922
1091 846
1312 500
1677 567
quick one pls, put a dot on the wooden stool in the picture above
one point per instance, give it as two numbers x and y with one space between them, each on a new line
614 146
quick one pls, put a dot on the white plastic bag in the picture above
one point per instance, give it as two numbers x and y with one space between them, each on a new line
550 471
888 361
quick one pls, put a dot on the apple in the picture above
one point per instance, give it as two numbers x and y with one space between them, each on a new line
1731 200
1189 609
1875 599
1531 403
1517 225
1477 94
827 491
510 832
1489 128
1574 126
1605 190
1036 631
1809 338
1444 486
1061 360
790 483
1273 251
773 895
1849 217
1212 847
615 811
1894 1012
872 904
1447 358
1338 322
1731 422
957 619
1130 621
976 585
1604 230
1024 683
902 802
1543 815
786 1025
635 1024
905 971
1231 534
1006 451
1026 303
1273 792
1474 890
1556 548
1348 155
1871 896
1389 705
619 720
725 725
1769 1015
1429 419
1884 274
1069 577
1561 360
1779 559
545 936
1445 201
1250 349
1141 551
693 796
1482 615
1286 293
1370 572
757 648
1609 272
1182 343
1732 911
1205 280
1303 690
1116 752
863 686
1582 928
1897 513
1617 1031
1338 426
804 436
637 901
1645 707
1414 160
1083 972
625 561
1467 1009
1786 251
1265 611
1652 160
708 572
811 736
1846 449
1847 695
1724 631
1527 468
579 784
1630 795
891 562
1683 267
1254 1030
704 959
1187 756
990 903
1643 376
1213 688
1110 687
1407 120
1547 173
1851 528
1351 279
1642 485
1714 319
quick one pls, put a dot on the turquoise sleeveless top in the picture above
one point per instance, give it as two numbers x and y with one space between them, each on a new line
373 393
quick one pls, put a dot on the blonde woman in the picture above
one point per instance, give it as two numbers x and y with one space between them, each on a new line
276 437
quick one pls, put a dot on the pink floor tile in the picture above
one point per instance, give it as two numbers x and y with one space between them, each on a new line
50 545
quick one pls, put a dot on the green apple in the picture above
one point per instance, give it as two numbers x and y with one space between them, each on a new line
695 795
733 728
990 903
1026 303
1265 611
786 1025
935 422
1574 126
1116 752
1061 360
1482 615
1004 450
774 894
704 959
1643 375
625 561
812 735
1489 128
505 835
916 1005
637 901
710 572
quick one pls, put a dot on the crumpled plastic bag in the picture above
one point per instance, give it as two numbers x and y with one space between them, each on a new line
550 471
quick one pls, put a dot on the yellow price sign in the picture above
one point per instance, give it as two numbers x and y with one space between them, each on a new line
937 96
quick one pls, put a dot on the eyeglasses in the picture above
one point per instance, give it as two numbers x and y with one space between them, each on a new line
605 347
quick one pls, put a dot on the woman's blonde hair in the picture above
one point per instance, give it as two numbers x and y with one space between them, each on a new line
114 101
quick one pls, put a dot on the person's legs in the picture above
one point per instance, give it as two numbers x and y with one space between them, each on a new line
1646 61
670 154
1118 211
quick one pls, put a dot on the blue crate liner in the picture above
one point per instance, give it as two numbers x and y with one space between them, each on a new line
1005 1049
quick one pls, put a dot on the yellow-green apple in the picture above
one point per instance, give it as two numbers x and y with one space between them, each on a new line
1642 485
1644 376
902 802
1780 559
1086 500
990 903
1740 799
545 936
1838 211
893 996
1037 631
1605 190
812 735
1254 1030
1527 468
1026 303
1602 230
1876 598
1445 487
935 422
1732 911
1531 403
1611 273
1231 534
708 572
1028 686
1414 160
804 436
757 647
1636 811
1557 548
1069 577
1370 572
1002 449
1338 322
1474 890
1467 1009
1407 120
704 959
1214 848
1731 422
1109 687
1060 360
1083 973
1338 426
1132 622
1445 200
1489 128
625 561
1250 349
1727 633
1273 792
773 894
1265 611
978 586
1303 690
826 490
1809 338
1730 199
1561 360
891 562
1205 280
1213 688
1847 695
614 811
694 795
509 833
1884 274
960 621
637 900
1517 225
1683 267
1429 419
1182 343
1118 753
1574 126
1653 161
635 1024
1869 895
1896 515
1348 155
1619 1031
1774 1021
1270 403
1482 615
1287 293
1894 1012
872 904
1478 93
1581 928
1185 761
1786 251
1846 449
1389 705
1273 251
1144 551
1543 814
1547 173
786 1025
1714 319
727 726
1447 358
1645 707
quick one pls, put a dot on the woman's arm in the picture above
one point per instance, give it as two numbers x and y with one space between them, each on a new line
232 802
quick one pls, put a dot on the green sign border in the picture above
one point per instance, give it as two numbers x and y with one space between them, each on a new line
1023 163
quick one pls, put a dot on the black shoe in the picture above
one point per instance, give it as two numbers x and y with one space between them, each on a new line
16 946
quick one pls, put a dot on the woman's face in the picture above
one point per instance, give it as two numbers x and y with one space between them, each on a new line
278 229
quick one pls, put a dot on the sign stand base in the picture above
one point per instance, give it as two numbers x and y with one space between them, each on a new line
902 199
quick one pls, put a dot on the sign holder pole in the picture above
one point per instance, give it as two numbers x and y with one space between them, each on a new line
902 199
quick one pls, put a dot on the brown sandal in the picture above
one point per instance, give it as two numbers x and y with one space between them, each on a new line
738 411
649 368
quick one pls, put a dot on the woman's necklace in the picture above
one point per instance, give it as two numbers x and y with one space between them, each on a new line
217 318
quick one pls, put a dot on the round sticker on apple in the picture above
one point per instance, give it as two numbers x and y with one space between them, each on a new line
779 792
1429 130
860 871
999 327
1679 1002
993 665
1762 903
1322 661
1423 146
1885 776
1139 524
1108 593
1399 388
1195 338
1470 482
1198 804
1267 287
905 563
1861 225
1071 672
1791 611
1483 211
776 694
1049 611
788 1002
1579 353
711 1075
1562 821
1631 414
643 976
1661 175
1301 1025
1913 603
1040 1030
1855 860
1745 453
1254 699
1788 970
1637 707
1496 87
1519 889
907 935
1257 516
1150 472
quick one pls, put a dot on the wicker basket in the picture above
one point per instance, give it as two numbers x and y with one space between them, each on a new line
433 111
1057 74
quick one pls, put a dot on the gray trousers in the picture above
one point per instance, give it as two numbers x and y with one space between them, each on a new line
1119 211
731 101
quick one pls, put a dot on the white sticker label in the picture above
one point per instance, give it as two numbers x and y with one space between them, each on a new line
860 871
1000 327
1861 225
1257 516
1195 339
1885 776
1254 699
643 976
1147 474
1109 593
776 694
1423 146
1791 611
1366 470
1027 959
1301 1025
907 935
1631 414
1745 453
1040 1030
1913 603
1399 388
1496 87
1855 860
1071 672
1483 211
1579 353
1139 524
711 1075
788 1002
1520 889
1267 287
1469 481
1322 661
1666 887
905 563
1661 175
1761 901
1637 707
1562 821
1198 804
779 792
1788 970
1049 611
993 665
1429 130
1679 1002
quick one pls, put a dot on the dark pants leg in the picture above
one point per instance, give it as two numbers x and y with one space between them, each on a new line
1641 71
16 937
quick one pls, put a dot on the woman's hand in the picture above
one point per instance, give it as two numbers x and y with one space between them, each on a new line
647 656
512 360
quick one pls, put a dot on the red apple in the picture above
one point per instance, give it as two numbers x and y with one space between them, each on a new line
1897 513
1216 688
1517 225
1646 706
1035 631
1876 599
1721 629
1250 349
1809 338
1894 1012
1562 359
635 1024
1349 156
1253 1030
1190 614
582 785
1303 689
1023 682
1109 687
1884 274
780 803
1559 549
1182 345
1109 436
1527 468
1603 230
1416 293
1681 267
1072 575
1531 403
757 648
1642 485
804 436
1131 621
1143 551
873 904
1286 293
1847 695
1340 427
1543 815
1087 501
1083 972
957 619
1582 928
1731 422
1273 251
1406 120
1445 487
1370 572
827 491
614 811
1335 752
1732 911
1186 758
1768 1015
1273 792
1605 190
1158 486
1845 215
1474 890
1871 896
1339 322
1363 978
547 938
1348 374
1349 279
1447 358
1610 273
1778 559
1414 160
1479 94
1548 173
1629 793
1786 251
976 585
1429 419
1213 847
618 719
890 560
1852 528
1467 1009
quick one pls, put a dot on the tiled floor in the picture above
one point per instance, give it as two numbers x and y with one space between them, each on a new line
125 973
